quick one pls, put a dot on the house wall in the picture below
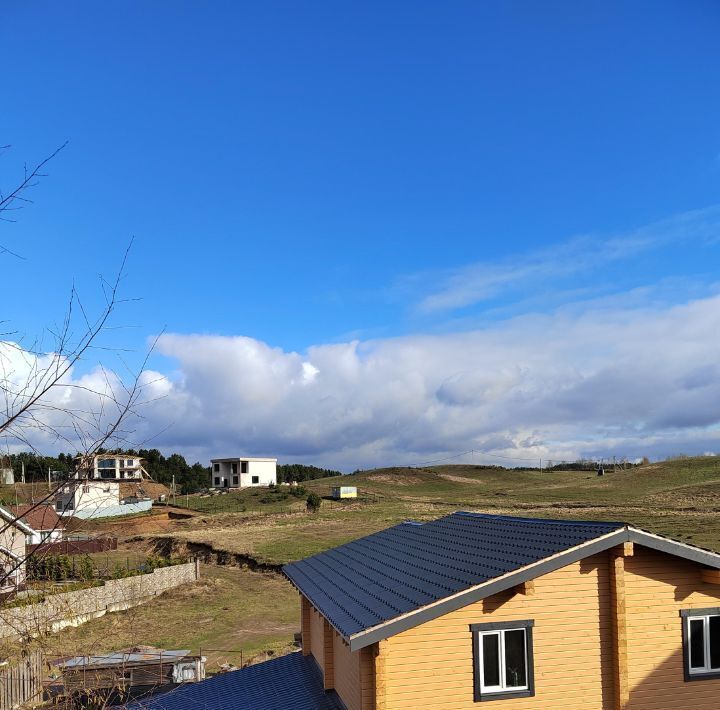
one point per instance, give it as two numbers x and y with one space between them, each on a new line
13 540
657 587
352 674
316 636
431 665
266 472
88 498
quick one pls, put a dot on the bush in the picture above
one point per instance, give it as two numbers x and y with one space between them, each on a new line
314 501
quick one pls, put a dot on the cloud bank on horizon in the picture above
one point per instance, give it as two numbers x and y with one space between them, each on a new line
631 373
608 381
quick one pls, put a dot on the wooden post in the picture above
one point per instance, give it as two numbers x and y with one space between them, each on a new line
619 623
305 625
328 656
380 675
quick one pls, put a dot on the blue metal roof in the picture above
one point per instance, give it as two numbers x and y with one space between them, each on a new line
404 568
292 682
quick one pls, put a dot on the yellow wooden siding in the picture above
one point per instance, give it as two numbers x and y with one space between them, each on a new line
317 643
657 587
347 674
431 666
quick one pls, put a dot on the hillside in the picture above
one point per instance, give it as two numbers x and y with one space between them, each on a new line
679 498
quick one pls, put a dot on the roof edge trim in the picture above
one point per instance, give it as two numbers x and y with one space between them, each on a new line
674 547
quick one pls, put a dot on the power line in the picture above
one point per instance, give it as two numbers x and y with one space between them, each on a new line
475 451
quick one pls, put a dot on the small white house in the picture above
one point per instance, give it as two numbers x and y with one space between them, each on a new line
243 472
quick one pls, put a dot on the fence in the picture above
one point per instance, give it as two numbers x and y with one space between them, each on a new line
21 684
75 547
58 611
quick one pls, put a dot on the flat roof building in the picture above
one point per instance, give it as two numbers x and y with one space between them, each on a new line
243 472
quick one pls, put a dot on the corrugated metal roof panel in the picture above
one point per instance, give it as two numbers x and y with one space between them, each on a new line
123 658
382 576
291 682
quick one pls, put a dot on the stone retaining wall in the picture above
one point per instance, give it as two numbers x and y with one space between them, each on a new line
75 608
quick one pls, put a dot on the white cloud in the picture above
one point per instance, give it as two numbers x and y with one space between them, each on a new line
483 280
628 381
625 382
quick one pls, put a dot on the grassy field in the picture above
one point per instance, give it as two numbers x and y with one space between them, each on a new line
678 498
230 615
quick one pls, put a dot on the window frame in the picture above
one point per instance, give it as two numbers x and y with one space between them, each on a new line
255 480
482 694
688 615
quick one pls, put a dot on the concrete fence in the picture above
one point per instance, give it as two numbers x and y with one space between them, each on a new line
74 608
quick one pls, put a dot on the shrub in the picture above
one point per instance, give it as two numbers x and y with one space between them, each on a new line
314 501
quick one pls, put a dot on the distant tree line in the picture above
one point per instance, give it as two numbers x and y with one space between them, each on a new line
287 473
189 478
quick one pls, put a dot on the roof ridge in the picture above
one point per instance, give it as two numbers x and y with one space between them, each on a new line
524 519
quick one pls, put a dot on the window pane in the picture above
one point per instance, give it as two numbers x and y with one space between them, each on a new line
714 642
515 671
697 644
491 659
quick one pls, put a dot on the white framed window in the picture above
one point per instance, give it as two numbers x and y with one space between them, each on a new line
503 660
701 643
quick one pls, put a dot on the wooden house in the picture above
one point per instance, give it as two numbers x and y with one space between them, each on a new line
526 613
470 608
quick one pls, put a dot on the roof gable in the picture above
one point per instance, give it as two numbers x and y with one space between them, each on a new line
391 581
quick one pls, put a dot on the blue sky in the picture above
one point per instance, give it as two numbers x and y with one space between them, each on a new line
309 174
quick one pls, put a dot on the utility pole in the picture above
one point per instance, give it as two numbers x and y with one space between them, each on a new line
614 466
22 474
48 477
540 465
174 492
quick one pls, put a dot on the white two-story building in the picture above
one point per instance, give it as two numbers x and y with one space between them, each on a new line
243 472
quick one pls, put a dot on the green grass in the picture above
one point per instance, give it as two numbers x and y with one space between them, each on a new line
229 616
676 498
265 500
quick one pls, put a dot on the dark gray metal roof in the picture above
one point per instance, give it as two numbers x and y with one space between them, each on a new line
404 568
291 682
